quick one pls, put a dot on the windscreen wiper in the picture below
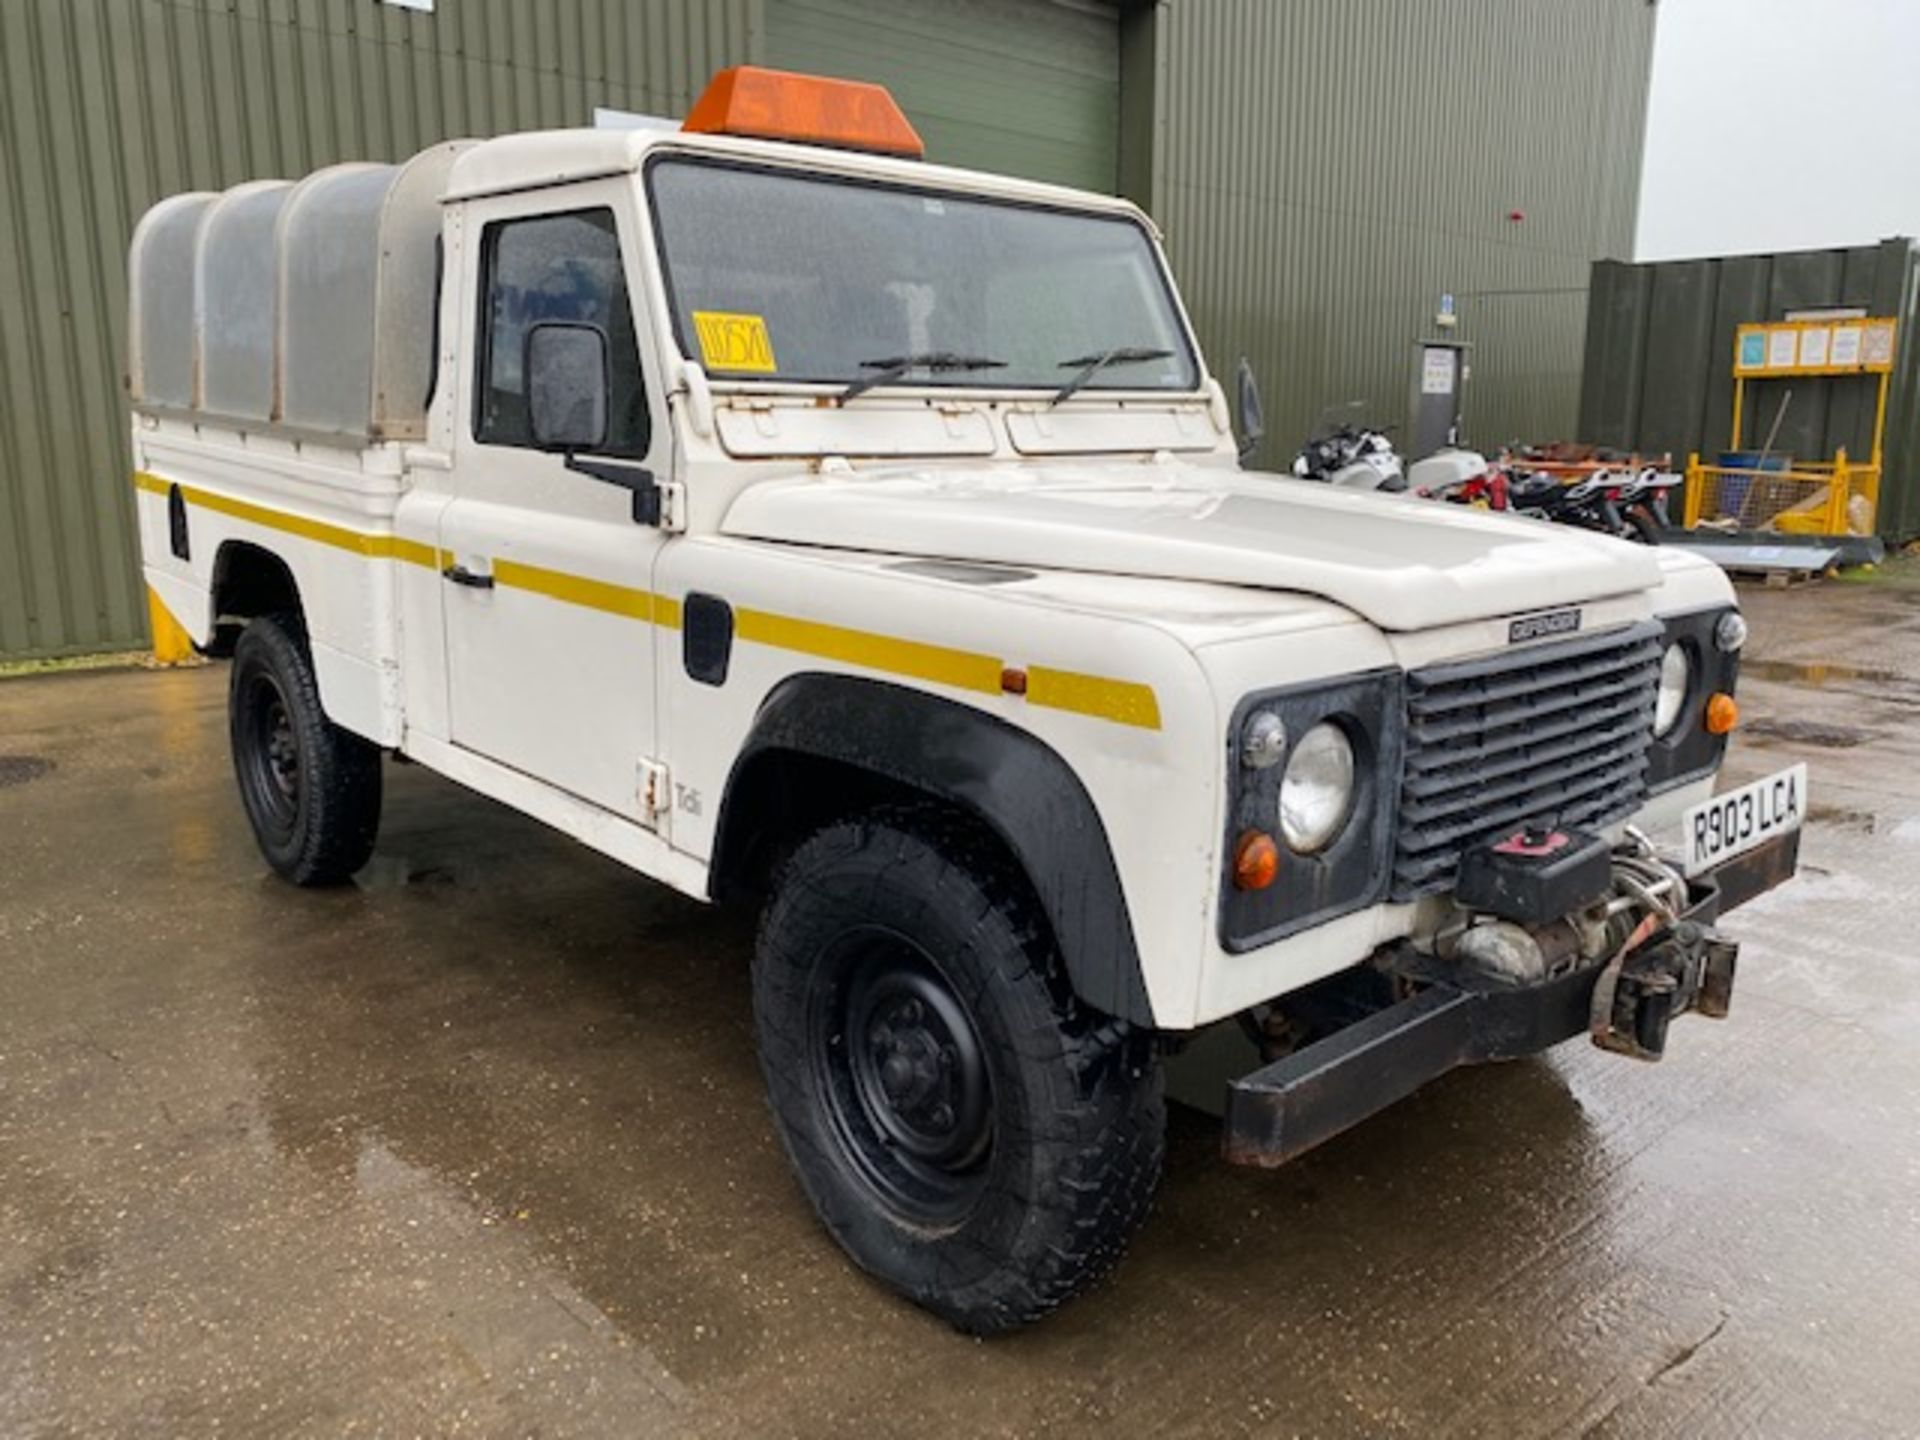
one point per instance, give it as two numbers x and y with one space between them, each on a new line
1092 365
893 367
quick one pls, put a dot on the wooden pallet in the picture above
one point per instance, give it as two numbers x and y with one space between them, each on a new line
1775 578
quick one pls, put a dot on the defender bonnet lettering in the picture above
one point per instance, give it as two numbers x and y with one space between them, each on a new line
780 105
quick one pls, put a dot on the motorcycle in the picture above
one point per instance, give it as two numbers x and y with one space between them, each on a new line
1487 490
1352 457
1618 494
1642 502
1587 502
1462 477
1629 504
1360 456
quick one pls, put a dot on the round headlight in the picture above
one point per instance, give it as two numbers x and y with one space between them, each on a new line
1263 742
1676 674
1316 791
1730 632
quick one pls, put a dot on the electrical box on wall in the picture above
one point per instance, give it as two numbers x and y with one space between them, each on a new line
1439 377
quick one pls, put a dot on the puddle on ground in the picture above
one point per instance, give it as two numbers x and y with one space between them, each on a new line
1808 732
1845 818
1818 674
19 769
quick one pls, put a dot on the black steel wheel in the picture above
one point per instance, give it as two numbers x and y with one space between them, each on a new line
971 1135
310 788
900 1066
268 762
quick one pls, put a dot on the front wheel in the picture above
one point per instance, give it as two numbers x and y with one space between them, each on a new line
311 790
970 1135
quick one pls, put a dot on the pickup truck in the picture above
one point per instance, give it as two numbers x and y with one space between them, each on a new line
814 528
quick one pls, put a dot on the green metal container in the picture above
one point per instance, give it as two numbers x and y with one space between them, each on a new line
1659 361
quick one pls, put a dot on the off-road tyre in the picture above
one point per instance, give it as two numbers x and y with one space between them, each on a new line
906 939
310 789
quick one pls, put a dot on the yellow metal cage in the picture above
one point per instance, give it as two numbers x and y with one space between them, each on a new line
1834 497
1820 497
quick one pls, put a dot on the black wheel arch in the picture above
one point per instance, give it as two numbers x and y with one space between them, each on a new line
248 581
871 742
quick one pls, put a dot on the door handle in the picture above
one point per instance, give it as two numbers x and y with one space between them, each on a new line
461 575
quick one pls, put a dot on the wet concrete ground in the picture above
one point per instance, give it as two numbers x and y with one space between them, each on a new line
478 1147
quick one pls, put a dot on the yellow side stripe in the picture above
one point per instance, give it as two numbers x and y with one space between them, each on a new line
415 553
374 547
592 594
962 669
1124 702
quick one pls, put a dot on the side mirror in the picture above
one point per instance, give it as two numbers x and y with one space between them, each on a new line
567 391
1253 420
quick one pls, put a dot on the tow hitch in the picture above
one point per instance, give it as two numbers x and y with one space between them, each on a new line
1671 961
1638 994
1621 969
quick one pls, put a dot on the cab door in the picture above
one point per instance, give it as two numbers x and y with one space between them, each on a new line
546 573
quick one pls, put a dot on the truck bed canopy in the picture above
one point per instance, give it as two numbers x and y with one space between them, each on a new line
301 307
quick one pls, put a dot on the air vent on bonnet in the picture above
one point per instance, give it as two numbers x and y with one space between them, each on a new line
961 572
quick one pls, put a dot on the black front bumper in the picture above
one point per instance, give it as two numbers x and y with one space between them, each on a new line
1286 1108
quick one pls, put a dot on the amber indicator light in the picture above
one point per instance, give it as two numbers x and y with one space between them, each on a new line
1256 861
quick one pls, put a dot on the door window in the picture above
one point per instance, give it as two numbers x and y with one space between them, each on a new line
555 267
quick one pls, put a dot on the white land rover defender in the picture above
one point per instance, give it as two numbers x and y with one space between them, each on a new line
808 526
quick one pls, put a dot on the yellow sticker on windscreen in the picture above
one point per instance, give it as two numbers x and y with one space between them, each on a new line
729 341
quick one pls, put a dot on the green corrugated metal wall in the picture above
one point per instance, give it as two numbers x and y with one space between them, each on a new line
1031 89
1324 171
1659 358
107 105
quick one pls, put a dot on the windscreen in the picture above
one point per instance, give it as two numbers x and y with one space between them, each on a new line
780 276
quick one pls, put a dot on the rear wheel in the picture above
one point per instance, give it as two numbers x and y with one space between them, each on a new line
310 789
969 1134
1641 526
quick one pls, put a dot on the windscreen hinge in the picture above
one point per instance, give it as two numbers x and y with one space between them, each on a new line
673 506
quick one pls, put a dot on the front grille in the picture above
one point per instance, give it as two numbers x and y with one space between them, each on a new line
1554 732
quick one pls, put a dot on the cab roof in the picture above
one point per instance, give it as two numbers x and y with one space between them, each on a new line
777 117
535 159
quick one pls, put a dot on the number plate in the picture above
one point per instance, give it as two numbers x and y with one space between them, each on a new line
1735 821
